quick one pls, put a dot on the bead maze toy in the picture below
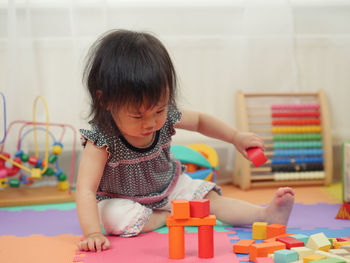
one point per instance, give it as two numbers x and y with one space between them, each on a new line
296 131
201 160
18 182
344 211
191 213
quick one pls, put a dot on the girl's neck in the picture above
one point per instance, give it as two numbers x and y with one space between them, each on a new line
140 142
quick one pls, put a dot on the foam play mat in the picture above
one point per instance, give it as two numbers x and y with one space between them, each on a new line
49 233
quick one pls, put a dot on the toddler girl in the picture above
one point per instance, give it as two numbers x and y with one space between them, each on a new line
127 176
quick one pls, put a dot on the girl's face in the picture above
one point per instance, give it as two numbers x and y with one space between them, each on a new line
139 125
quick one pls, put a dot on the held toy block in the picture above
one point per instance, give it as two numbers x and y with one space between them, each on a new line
199 208
285 256
313 257
259 230
290 242
242 246
264 260
319 242
301 237
180 209
303 251
263 249
275 230
257 156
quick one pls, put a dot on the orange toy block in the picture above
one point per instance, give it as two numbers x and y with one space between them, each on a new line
193 221
275 230
180 209
199 208
205 241
242 246
263 249
273 239
176 242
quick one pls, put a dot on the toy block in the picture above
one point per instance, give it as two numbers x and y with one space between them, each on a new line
346 247
180 209
337 244
330 260
264 260
319 242
275 230
199 208
290 242
193 221
256 156
205 242
341 239
273 239
313 257
329 255
285 256
176 242
259 230
339 251
263 249
301 237
242 246
303 251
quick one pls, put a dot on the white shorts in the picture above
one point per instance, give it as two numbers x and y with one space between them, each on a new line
127 218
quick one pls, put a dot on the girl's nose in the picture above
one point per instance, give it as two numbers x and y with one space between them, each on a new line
149 123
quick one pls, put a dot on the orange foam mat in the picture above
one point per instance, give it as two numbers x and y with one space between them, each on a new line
38 249
303 194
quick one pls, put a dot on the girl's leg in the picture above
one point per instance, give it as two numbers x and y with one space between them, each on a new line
240 213
157 219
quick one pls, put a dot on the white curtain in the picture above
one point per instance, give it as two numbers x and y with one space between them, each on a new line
218 47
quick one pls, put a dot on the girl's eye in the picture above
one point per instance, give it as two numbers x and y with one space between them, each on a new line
160 111
136 117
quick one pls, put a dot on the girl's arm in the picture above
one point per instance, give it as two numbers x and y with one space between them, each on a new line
90 171
213 127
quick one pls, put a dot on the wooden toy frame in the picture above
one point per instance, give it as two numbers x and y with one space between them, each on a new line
244 175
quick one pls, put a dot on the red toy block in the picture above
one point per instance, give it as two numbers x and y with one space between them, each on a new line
290 242
205 241
180 209
257 156
242 246
274 230
264 249
199 208
341 239
273 239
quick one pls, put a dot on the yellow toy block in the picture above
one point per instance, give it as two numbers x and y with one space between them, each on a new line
180 209
337 244
303 251
36 173
259 230
319 242
313 257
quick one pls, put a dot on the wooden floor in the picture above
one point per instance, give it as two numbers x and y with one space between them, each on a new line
303 194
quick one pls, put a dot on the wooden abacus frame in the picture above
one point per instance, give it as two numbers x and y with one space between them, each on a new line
243 173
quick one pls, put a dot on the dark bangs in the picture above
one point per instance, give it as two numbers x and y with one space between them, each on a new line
128 69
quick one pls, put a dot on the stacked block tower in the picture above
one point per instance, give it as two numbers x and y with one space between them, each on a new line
191 213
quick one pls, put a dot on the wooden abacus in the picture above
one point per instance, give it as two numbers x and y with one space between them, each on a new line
296 132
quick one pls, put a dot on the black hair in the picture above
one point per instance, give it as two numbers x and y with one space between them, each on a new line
127 68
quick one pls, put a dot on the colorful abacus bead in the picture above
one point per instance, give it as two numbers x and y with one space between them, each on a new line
57 148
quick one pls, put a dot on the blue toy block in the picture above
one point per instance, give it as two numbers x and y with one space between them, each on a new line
285 256
301 237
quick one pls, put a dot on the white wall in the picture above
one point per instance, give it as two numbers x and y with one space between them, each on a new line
218 47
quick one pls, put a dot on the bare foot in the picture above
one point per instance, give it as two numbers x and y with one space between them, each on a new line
281 206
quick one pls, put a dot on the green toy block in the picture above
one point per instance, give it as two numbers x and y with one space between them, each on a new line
285 256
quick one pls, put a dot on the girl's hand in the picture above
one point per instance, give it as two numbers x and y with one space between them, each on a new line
94 242
244 140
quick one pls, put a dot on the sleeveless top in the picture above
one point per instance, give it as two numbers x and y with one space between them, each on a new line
145 175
